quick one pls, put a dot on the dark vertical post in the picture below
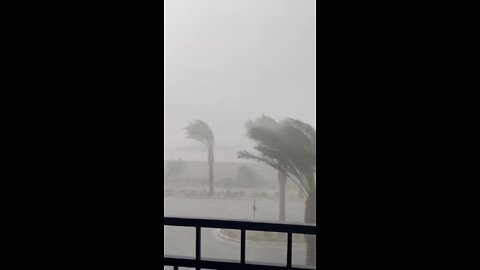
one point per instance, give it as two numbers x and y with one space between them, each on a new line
198 245
175 267
289 250
242 246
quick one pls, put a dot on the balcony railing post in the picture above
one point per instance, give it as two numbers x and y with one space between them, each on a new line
198 244
289 250
198 263
242 247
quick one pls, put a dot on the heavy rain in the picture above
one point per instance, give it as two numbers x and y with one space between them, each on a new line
240 126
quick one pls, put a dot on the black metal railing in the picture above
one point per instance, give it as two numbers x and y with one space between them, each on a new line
202 263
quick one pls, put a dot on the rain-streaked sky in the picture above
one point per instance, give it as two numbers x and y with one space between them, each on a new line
227 61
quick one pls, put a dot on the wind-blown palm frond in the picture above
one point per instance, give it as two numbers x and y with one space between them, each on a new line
263 121
200 131
305 128
274 164
288 146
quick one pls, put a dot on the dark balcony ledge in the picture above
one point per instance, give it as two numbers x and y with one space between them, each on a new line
243 225
208 263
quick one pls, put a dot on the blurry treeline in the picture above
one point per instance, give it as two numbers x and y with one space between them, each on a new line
228 175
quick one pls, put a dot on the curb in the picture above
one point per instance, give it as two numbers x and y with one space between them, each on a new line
272 243
219 232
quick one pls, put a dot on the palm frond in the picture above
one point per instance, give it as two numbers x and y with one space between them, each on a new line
199 130
276 165
288 146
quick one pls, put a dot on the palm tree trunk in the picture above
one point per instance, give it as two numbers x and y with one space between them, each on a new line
282 180
210 169
310 217
300 193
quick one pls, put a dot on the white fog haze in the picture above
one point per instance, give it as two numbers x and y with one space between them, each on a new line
233 60
228 62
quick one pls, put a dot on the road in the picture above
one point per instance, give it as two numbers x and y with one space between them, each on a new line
181 241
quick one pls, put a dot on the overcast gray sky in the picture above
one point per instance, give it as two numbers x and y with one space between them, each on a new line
227 61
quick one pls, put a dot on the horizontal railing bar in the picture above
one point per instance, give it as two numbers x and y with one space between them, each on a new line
191 262
299 228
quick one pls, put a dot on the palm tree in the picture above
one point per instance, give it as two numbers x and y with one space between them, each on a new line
267 122
200 131
289 147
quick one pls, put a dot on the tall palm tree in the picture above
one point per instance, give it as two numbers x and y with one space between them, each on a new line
289 147
267 122
200 131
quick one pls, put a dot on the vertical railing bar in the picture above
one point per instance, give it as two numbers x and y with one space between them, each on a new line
242 246
175 267
289 250
198 245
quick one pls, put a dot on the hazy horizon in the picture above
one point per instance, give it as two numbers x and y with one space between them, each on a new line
230 61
